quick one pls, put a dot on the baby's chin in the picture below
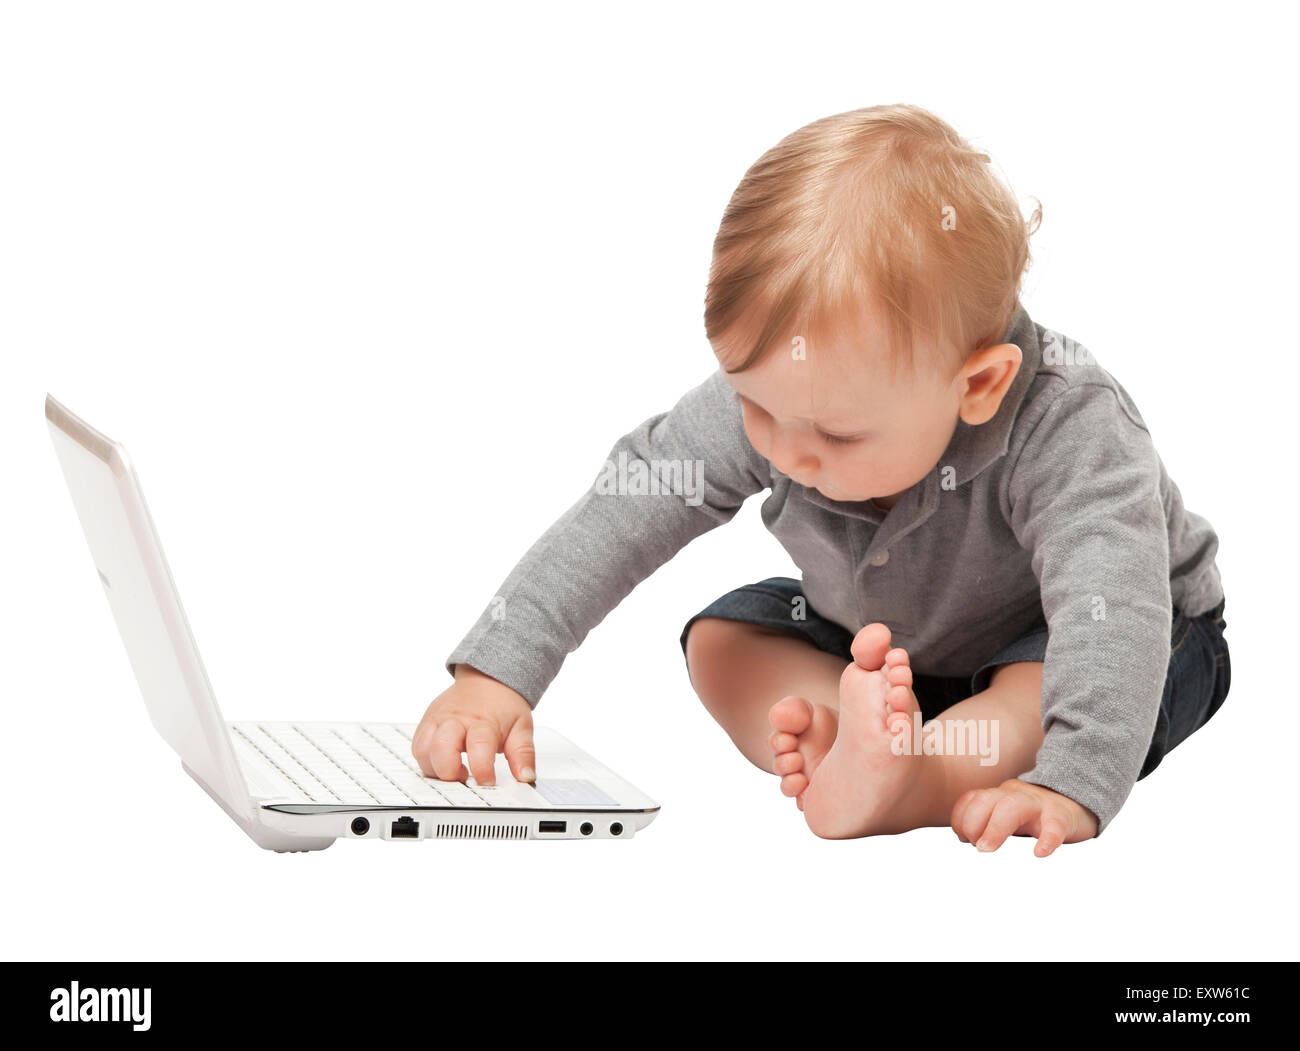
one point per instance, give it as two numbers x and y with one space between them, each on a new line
850 497
842 496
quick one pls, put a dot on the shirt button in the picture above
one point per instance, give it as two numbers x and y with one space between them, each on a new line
880 559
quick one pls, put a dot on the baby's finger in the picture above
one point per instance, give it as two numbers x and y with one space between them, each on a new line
971 814
958 809
421 742
1051 835
448 743
481 741
520 753
1011 812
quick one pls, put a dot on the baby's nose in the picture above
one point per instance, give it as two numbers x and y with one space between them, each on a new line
792 461
805 468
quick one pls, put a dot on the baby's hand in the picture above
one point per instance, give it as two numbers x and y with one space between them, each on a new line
478 716
986 816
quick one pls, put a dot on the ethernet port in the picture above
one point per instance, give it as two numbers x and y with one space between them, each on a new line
405 828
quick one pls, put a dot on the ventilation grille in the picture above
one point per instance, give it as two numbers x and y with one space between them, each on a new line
481 832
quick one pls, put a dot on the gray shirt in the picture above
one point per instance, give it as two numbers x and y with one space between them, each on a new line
1057 509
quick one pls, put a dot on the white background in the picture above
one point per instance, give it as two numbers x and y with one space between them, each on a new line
368 291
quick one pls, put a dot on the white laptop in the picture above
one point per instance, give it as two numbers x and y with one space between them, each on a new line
299 786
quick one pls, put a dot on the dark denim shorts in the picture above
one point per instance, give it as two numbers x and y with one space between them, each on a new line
1195 686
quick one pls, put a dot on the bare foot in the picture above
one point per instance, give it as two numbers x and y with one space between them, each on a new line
803 732
859 780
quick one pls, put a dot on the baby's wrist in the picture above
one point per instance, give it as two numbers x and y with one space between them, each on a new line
466 673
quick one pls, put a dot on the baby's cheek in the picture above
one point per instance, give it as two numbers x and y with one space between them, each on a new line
862 468
879 473
757 438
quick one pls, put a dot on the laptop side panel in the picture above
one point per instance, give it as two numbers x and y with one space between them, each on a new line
142 596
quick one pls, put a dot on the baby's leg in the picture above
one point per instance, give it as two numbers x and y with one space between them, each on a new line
740 670
1012 703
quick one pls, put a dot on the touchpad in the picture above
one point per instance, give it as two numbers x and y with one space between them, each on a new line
573 792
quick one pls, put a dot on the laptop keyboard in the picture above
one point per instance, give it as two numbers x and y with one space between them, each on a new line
361 764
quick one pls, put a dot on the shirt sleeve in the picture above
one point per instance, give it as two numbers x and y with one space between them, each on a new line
674 477
1085 503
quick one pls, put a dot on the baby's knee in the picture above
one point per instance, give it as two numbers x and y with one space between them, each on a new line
713 645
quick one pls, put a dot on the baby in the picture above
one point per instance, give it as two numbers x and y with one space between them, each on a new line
1006 616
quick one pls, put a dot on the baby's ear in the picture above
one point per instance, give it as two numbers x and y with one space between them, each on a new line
988 375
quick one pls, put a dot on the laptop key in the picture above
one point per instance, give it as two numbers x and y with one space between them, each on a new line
457 794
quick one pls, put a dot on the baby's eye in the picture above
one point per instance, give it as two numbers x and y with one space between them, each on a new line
831 439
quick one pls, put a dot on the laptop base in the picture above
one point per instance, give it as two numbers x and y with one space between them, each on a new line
415 823
264 837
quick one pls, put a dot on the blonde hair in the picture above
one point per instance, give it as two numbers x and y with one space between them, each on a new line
886 204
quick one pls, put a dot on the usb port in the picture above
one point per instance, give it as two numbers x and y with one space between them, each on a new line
405 828
552 826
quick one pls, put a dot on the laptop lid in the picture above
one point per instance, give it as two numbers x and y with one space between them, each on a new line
146 606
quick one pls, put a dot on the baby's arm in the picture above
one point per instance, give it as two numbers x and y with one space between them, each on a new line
1085 500
581 568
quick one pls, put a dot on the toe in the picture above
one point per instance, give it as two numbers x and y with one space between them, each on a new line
902 699
793 784
898 674
788 763
870 646
783 742
791 715
897 657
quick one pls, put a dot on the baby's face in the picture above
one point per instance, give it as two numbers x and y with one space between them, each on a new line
834 419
